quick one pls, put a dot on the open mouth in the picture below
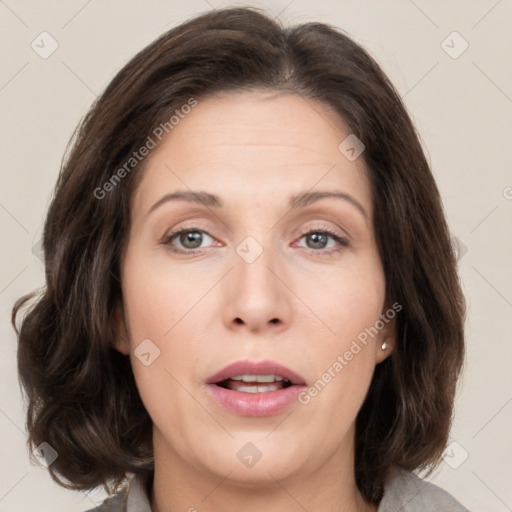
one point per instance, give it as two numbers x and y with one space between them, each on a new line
255 388
255 383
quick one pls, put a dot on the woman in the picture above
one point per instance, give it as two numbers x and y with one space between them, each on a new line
252 300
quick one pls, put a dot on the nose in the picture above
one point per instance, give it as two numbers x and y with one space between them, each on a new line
256 296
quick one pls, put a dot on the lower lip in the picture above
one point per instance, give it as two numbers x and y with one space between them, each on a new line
254 404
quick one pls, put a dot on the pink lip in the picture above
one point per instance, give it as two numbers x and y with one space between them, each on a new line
255 404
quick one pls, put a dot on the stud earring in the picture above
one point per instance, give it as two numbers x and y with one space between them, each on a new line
384 346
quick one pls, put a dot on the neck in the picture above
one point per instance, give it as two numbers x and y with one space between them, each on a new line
179 485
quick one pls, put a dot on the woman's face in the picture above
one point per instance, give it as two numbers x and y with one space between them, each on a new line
247 285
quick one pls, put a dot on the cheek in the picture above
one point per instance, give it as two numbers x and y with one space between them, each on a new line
156 296
348 299
159 306
349 304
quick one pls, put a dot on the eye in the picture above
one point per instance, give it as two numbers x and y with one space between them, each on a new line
190 239
319 240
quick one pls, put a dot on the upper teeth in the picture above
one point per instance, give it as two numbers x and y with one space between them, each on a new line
258 378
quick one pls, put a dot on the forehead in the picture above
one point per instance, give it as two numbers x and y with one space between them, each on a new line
253 147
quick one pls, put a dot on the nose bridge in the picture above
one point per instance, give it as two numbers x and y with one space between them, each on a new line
257 243
255 258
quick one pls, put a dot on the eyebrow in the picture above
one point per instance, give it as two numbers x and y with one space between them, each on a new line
298 201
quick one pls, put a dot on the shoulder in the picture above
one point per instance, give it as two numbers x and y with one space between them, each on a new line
133 498
115 504
406 492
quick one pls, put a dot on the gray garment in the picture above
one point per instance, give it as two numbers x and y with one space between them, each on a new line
404 492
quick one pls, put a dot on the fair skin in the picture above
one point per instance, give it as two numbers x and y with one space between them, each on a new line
298 303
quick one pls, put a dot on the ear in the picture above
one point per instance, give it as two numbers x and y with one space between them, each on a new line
385 340
122 342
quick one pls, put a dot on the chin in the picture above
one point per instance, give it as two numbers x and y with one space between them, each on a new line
252 460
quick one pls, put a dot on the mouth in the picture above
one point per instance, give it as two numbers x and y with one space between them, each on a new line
250 388
255 383
247 376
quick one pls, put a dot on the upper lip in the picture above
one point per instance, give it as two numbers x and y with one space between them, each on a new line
256 368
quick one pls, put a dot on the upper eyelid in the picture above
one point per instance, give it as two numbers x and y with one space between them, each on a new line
195 227
195 212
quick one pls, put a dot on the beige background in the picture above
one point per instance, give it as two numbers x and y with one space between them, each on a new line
461 106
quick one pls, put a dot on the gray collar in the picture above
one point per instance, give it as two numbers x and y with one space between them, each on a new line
138 495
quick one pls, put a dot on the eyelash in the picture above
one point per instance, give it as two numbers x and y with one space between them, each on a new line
343 242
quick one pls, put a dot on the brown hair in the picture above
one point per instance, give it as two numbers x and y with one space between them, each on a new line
82 397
